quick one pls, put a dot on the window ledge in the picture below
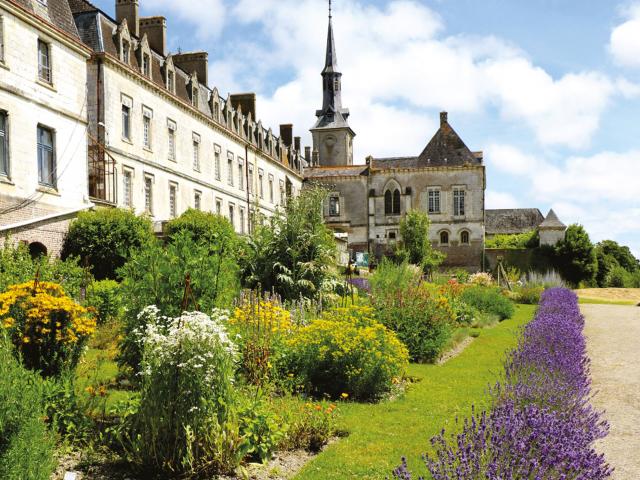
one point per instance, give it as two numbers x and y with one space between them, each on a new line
46 84
4 65
147 149
48 190
127 140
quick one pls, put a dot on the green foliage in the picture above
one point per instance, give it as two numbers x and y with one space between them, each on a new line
293 252
17 266
186 420
206 228
489 300
389 277
26 447
309 425
262 430
414 230
530 294
514 241
104 297
575 256
105 239
617 267
347 351
155 275
63 409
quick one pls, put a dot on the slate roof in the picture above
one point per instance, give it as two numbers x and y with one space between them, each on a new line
56 12
342 171
552 221
512 220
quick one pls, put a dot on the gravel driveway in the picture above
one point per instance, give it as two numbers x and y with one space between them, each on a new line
613 344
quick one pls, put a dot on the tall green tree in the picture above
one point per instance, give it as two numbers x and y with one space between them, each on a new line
293 252
105 238
576 256
414 230
616 264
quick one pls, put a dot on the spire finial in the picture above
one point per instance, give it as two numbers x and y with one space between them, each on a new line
329 9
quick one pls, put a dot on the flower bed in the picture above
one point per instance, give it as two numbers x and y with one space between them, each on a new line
541 424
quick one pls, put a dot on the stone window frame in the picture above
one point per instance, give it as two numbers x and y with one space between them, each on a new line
144 53
51 149
261 183
283 193
240 173
196 140
230 172
392 235
126 102
149 181
217 162
45 72
173 199
147 128
334 205
197 200
218 205
172 139
241 219
5 160
271 188
437 199
444 234
392 198
170 74
127 172
123 37
231 210
2 42
459 209
461 236
250 177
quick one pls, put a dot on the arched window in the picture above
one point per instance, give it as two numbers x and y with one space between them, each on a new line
396 202
444 238
37 250
388 203
464 238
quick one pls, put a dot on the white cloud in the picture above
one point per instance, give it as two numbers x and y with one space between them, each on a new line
500 200
509 159
624 43
206 16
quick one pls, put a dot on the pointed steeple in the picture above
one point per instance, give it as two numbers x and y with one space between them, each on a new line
331 63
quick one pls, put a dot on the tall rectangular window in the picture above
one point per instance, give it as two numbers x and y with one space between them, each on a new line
230 168
242 220
46 157
261 183
434 200
171 130
127 190
240 174
231 216
218 206
171 81
282 193
146 65
196 152
173 207
148 195
44 61
458 202
147 115
197 200
216 162
1 38
271 188
4 144
126 122
250 181
334 206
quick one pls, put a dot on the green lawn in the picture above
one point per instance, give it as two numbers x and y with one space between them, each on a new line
379 434
602 301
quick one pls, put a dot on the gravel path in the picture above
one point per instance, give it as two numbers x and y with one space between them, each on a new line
613 338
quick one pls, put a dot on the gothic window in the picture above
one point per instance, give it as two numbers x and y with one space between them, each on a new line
464 238
458 202
388 202
334 206
396 202
444 238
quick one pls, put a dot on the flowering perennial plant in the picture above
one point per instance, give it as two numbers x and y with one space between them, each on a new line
482 279
185 421
541 425
47 328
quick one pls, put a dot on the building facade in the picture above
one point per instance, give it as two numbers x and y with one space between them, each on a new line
161 140
43 122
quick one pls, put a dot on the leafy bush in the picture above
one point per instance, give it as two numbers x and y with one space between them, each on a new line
17 266
47 328
186 420
155 275
347 351
205 227
105 238
104 297
293 252
530 295
26 447
414 231
262 430
575 256
310 425
514 241
489 300
390 276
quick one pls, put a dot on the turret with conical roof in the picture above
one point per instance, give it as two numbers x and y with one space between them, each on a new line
551 230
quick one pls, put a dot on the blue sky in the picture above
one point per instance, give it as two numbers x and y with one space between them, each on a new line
548 89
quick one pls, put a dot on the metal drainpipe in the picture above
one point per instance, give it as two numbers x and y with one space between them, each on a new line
246 174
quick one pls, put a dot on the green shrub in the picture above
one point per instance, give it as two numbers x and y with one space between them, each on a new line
17 266
489 300
347 351
618 277
530 295
310 425
414 231
26 447
186 421
575 256
155 275
104 239
104 297
529 239
261 428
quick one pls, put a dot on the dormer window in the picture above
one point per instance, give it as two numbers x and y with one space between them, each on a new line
126 52
194 98
146 65
171 81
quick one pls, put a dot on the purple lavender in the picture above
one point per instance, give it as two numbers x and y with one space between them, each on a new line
541 424
361 283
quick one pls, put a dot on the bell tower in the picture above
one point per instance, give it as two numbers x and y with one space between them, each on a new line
332 135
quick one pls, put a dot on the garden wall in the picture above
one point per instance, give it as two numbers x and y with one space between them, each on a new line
524 259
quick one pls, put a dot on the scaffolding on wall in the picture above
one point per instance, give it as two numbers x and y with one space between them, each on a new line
102 174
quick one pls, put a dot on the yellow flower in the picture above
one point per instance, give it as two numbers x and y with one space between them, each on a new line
344 396
25 339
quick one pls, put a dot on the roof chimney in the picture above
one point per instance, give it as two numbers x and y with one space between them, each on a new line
443 118
245 100
307 154
296 144
286 134
128 9
194 62
156 30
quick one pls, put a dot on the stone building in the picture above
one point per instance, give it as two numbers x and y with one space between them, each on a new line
511 221
551 230
446 180
43 122
162 139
